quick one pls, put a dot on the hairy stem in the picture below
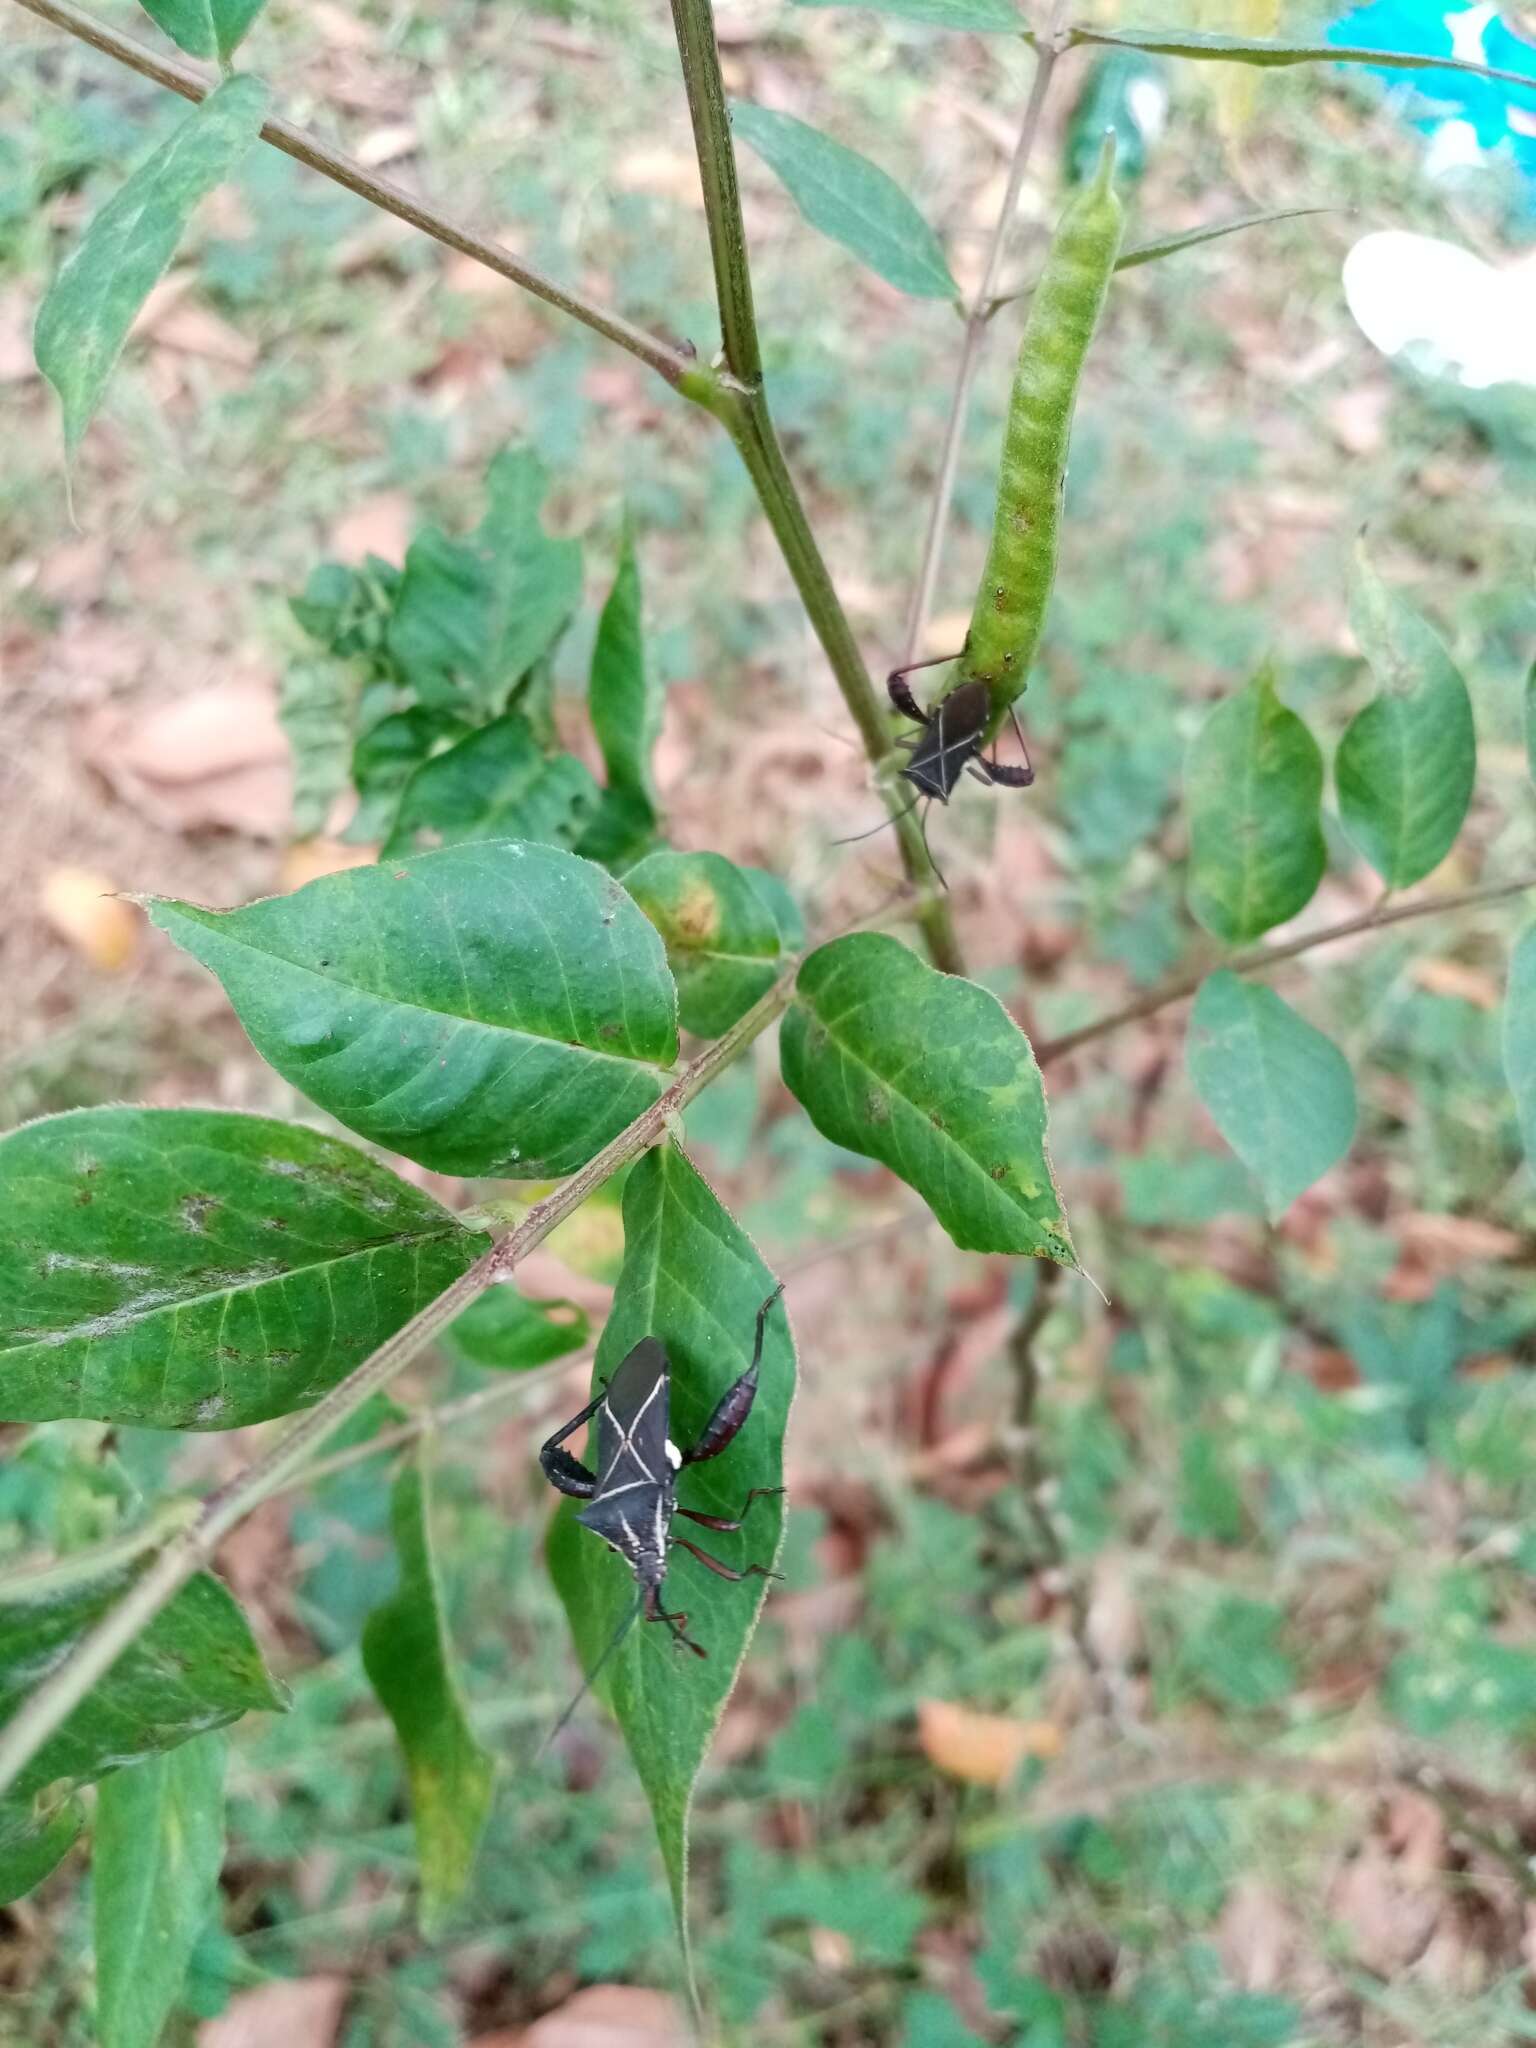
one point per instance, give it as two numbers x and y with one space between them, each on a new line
189 1549
1260 959
978 316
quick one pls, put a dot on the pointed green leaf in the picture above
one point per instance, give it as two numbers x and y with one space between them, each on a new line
35 1836
625 708
535 578
385 758
409 1662
205 28
692 1278
930 1075
850 199
506 1332
782 907
1520 1038
723 941
196 1269
194 1667
1203 47
983 17
90 306
316 714
1170 245
1406 765
1280 1093
159 1843
496 1008
475 615
1254 788
496 784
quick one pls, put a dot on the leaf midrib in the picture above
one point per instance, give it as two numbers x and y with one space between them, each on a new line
336 981
55 1339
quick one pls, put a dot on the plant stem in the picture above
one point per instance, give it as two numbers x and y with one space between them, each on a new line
674 364
189 1549
1261 959
977 318
751 428
745 414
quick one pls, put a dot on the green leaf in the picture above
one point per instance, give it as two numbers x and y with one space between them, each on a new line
692 1278
409 1662
496 784
930 1075
723 940
625 708
505 1331
194 1667
1196 44
1280 1093
1170 245
439 631
783 907
478 614
90 306
205 28
159 1843
385 758
1254 786
197 1269
35 1836
535 579
496 1008
1520 1038
316 715
983 17
1405 766
850 199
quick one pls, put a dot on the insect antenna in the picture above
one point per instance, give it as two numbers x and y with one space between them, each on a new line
922 826
595 1673
853 838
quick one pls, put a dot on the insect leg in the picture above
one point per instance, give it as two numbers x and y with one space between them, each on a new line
678 1623
923 827
724 1571
735 1403
724 1521
559 1467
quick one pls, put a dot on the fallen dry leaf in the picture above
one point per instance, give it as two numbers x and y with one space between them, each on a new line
308 859
983 1749
83 908
664 172
380 525
1454 978
599 2016
387 144
301 2012
1256 1936
216 756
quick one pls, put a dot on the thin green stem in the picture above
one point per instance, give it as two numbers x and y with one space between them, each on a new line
1262 959
189 1549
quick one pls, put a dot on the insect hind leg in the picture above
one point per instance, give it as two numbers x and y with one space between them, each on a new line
677 1623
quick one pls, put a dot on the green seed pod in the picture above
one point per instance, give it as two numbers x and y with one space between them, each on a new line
1021 564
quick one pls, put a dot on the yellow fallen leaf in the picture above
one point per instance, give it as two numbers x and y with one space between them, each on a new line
101 926
983 1749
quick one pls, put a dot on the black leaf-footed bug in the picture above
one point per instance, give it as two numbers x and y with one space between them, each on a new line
632 1496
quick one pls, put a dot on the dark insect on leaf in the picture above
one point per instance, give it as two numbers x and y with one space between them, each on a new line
632 1496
